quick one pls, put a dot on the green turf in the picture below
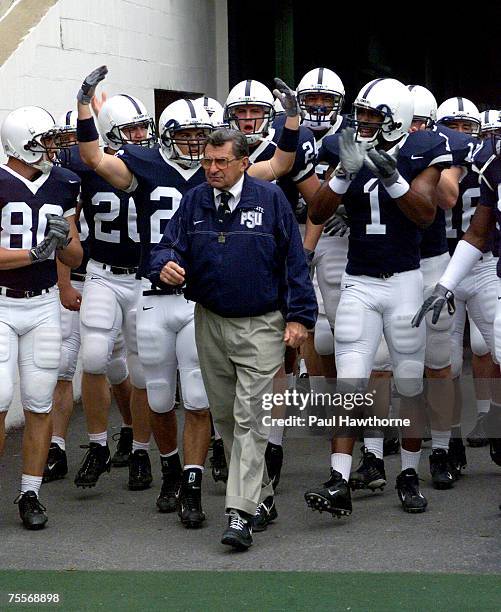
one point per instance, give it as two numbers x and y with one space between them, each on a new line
255 591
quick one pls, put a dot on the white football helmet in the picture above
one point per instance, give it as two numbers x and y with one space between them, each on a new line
320 81
250 93
425 105
217 119
392 101
184 115
66 135
278 108
211 105
27 134
491 122
459 109
124 112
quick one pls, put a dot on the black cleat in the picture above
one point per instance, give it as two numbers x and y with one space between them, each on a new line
218 462
140 477
97 460
31 511
56 466
274 457
333 496
457 456
477 436
239 532
189 500
495 450
492 425
442 475
408 491
266 513
171 481
370 473
391 446
124 447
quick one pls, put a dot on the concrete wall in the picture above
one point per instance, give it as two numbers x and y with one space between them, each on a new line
49 46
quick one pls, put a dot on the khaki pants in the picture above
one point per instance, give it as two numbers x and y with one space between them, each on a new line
239 358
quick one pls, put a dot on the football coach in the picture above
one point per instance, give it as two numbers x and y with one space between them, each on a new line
235 242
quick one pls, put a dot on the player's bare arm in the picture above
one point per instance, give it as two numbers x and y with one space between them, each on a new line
71 255
447 191
479 231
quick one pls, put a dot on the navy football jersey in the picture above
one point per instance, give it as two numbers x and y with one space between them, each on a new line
161 185
382 239
437 238
304 163
323 164
24 205
110 215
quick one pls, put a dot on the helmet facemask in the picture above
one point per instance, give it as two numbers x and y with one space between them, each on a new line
475 124
371 131
45 144
120 135
174 142
319 116
257 131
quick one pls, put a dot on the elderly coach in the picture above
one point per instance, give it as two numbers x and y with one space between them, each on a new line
236 244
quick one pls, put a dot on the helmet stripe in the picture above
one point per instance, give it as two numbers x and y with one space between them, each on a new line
248 84
206 101
460 103
410 87
192 109
320 76
486 116
68 118
366 92
136 106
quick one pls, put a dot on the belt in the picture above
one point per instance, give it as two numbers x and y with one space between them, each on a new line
119 269
383 275
173 291
19 293
77 276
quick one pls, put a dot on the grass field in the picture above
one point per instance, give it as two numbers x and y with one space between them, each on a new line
253 591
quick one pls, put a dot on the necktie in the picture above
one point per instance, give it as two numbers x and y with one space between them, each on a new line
223 208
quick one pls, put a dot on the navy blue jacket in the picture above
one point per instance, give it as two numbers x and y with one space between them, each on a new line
250 264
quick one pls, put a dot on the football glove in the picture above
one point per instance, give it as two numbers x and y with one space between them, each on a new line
437 300
59 227
44 250
287 97
88 89
337 225
383 165
351 153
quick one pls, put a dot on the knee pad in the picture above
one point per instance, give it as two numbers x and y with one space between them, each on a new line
136 371
497 339
95 352
161 396
438 352
352 369
117 370
382 359
405 338
192 385
47 348
37 390
408 376
349 321
68 361
324 338
478 344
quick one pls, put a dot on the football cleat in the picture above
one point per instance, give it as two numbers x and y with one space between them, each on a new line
370 473
97 460
408 491
457 456
477 436
140 477
56 466
391 446
492 424
123 451
495 450
171 481
266 513
333 496
442 475
189 499
218 462
31 511
239 532
274 457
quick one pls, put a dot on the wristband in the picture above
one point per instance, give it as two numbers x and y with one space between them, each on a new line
397 189
86 130
289 140
464 258
339 185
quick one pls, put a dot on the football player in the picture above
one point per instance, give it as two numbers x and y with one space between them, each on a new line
386 179
158 178
37 219
110 294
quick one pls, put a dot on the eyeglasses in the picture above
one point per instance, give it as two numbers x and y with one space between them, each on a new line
221 162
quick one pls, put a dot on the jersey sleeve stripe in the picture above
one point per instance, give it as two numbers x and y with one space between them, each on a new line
70 212
447 158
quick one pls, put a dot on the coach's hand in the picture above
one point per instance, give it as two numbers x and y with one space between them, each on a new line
90 83
172 274
295 334
440 296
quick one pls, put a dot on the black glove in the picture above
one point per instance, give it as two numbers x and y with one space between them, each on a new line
44 250
383 165
337 225
440 296
287 97
84 96
309 260
351 152
59 227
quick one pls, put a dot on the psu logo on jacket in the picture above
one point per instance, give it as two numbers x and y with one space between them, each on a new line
251 218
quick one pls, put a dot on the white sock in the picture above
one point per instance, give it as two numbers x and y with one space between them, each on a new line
30 483
217 435
276 434
483 406
440 439
374 445
341 462
59 441
126 425
140 446
99 438
171 454
302 367
193 467
409 459
291 381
